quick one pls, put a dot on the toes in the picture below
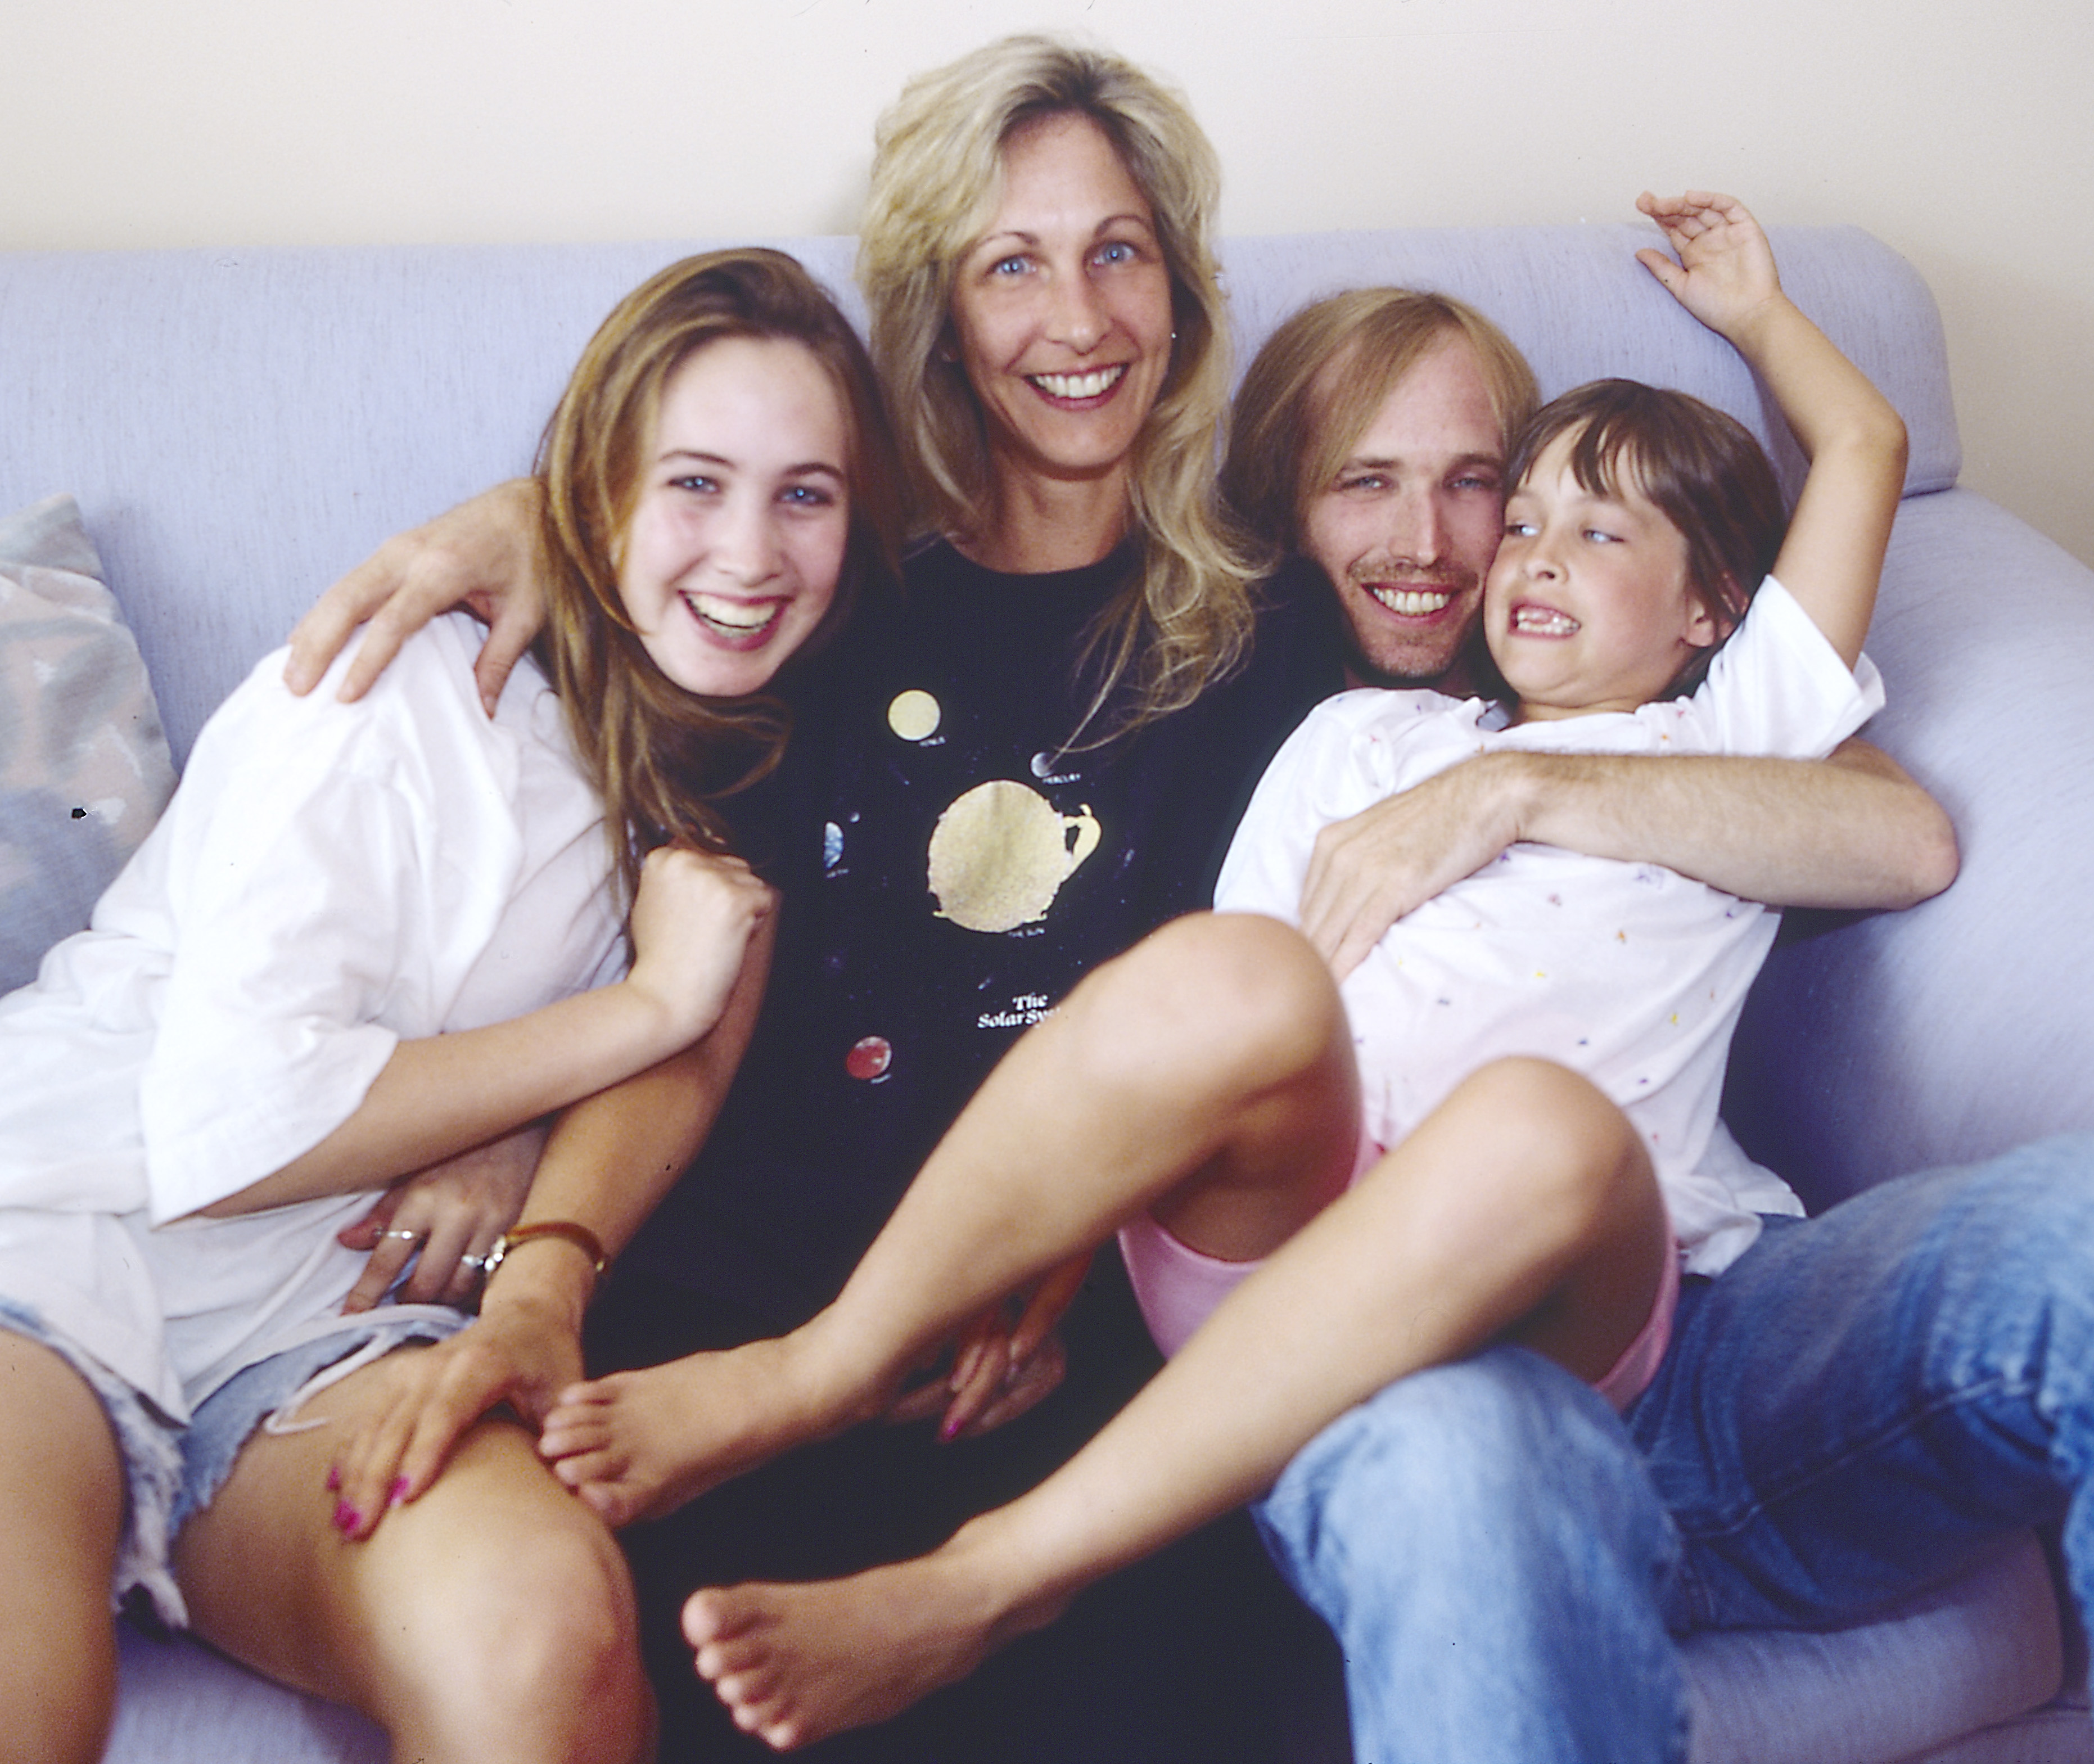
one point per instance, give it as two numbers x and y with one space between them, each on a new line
757 1692
610 1504
567 1431
740 1658
711 1615
595 1464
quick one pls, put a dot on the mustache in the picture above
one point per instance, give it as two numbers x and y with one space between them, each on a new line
1410 573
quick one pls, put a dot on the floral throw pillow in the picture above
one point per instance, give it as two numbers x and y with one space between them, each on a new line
84 770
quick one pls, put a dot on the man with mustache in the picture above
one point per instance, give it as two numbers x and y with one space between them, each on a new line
1853 1409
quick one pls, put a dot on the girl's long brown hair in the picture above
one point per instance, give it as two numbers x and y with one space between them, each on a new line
661 758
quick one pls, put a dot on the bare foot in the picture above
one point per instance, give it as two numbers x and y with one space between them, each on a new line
638 1445
795 1664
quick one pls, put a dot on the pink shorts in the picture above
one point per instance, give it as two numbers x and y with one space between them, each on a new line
1178 1287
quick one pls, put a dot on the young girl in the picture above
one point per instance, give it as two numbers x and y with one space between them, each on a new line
361 943
1204 1090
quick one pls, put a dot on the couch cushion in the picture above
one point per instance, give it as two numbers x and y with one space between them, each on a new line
1980 1650
179 1703
84 767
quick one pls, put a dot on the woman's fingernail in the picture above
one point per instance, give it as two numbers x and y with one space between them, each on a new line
399 1493
346 1518
334 1478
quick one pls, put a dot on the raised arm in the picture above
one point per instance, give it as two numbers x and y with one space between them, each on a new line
1833 557
610 1161
483 554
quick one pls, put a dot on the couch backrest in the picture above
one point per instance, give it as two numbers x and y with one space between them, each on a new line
240 426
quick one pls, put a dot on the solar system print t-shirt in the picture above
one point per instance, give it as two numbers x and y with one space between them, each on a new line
962 863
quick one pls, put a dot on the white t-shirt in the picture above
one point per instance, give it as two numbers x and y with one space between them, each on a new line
328 880
1628 972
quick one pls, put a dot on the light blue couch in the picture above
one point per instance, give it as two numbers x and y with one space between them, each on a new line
241 426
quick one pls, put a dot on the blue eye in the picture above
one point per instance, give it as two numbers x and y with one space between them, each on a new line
1117 251
1009 265
807 496
694 481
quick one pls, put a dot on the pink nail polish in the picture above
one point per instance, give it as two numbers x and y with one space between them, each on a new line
346 1518
399 1493
334 1478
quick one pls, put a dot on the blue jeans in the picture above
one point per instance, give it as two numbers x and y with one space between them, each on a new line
1864 1403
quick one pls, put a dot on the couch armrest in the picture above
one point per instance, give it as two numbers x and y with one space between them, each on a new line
1897 1041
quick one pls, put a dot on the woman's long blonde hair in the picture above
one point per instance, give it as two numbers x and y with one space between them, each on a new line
661 757
1184 621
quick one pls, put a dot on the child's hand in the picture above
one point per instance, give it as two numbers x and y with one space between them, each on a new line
1726 269
692 922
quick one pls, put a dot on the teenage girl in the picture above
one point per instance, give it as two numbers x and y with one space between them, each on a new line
367 946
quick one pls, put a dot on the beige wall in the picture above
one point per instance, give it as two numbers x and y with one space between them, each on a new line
1966 142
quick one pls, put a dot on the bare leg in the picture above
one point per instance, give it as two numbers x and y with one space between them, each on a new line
1523 1209
62 1488
1207 1074
488 1622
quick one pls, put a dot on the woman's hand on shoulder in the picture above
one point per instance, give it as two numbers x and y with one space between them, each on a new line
692 919
483 555
446 1217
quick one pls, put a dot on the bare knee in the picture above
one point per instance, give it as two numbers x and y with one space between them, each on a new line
1241 1000
1578 1163
543 1651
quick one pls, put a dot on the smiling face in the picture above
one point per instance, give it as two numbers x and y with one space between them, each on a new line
1406 529
1061 312
1589 606
738 532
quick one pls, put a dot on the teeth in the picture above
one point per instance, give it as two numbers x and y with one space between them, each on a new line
1078 385
1413 602
1543 621
734 615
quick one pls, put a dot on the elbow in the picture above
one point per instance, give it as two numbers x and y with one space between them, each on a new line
1885 437
1897 451
1932 858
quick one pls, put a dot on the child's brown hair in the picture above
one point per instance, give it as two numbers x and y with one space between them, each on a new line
1701 469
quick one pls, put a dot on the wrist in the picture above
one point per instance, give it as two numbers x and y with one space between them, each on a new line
544 1263
1519 792
660 1023
546 1290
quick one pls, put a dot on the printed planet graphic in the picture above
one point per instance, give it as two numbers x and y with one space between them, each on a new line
914 716
869 1059
1000 854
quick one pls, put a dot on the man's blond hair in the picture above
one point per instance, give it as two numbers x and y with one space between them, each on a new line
1320 380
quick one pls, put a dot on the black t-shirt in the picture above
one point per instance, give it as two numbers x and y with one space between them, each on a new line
951 868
